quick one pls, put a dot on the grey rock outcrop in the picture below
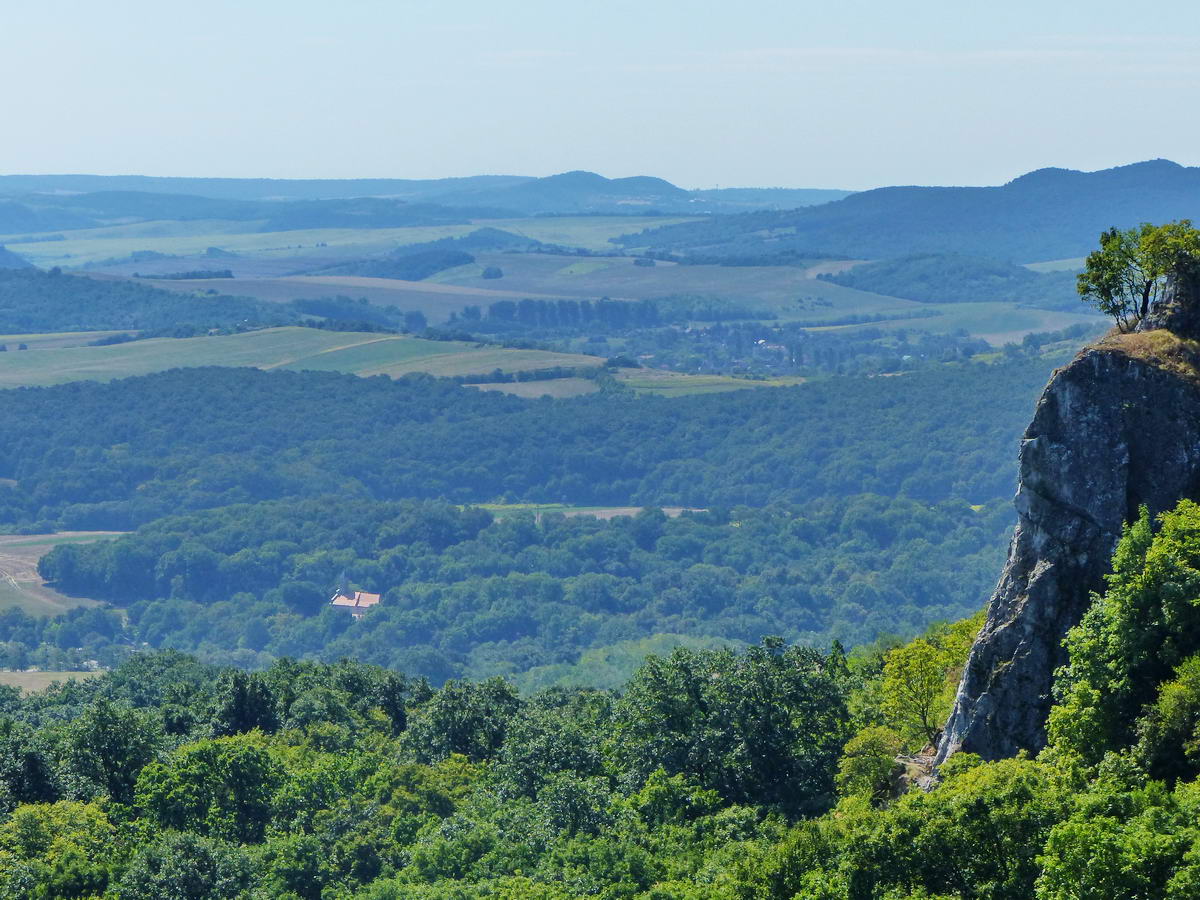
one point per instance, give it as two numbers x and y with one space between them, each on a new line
1116 428
1179 309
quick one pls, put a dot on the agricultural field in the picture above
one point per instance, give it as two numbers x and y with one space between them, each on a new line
277 348
599 512
187 238
1071 264
435 301
554 387
20 584
55 341
997 323
32 682
782 292
617 277
676 384
778 293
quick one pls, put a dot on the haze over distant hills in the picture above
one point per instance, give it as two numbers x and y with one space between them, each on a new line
10 260
1046 214
31 198
253 188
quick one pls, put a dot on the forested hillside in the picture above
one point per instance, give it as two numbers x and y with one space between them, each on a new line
775 773
467 594
134 450
844 508
952 278
1046 214
10 260
32 301
169 779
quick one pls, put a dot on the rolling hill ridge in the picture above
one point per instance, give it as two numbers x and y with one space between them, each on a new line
1045 214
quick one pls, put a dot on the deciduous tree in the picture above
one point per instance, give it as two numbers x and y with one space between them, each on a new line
1131 269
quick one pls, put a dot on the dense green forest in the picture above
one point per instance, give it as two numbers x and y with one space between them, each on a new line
765 774
123 453
32 301
953 278
837 509
466 594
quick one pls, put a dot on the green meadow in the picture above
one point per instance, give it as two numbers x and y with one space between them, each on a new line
20 584
276 348
674 384
554 387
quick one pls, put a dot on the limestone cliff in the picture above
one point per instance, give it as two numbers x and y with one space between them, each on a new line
1117 427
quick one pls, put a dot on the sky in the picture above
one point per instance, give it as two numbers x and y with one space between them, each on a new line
837 94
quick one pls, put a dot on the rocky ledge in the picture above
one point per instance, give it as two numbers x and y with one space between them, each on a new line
1116 428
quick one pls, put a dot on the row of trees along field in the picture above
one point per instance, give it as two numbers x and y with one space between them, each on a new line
767 774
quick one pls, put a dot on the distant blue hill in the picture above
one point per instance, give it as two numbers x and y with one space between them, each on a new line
1047 214
36 213
587 192
253 188
41 202
10 260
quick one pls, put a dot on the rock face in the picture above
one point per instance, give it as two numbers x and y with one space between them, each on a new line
1116 428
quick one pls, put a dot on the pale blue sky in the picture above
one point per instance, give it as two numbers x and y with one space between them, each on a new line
840 93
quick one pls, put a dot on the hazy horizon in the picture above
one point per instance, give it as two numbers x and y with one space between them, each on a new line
369 177
770 94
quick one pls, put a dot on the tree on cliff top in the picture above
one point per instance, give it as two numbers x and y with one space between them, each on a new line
1130 270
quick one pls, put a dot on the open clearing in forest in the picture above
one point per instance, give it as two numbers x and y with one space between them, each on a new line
32 682
599 512
675 384
551 387
20 584
278 348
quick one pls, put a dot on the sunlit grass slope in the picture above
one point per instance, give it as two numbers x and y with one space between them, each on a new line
274 348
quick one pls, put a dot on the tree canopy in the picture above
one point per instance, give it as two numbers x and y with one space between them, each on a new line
1130 270
710 776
